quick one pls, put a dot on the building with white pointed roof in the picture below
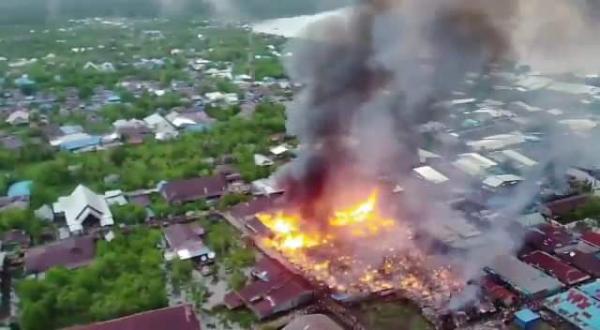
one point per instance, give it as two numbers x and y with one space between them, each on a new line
84 208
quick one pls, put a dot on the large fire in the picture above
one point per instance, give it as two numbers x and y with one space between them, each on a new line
360 250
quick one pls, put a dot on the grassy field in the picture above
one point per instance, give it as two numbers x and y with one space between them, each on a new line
393 316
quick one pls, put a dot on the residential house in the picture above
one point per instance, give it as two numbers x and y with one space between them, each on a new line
262 160
273 290
83 208
132 131
11 142
564 206
150 64
70 253
184 242
18 202
189 190
24 82
115 197
267 186
161 127
190 119
181 317
15 239
21 188
19 117
222 98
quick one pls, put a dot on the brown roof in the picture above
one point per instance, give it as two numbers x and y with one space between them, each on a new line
189 190
70 253
180 317
277 290
564 206
181 235
257 205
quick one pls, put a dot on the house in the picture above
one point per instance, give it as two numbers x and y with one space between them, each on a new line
21 188
83 208
83 143
262 160
24 82
474 164
189 190
91 66
184 242
107 67
430 174
15 239
115 197
279 150
70 253
161 127
189 119
273 290
563 207
17 202
181 317
19 117
267 186
11 142
499 181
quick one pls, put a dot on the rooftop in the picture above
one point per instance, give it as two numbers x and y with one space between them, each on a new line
180 317
555 267
576 308
69 253
522 277
591 289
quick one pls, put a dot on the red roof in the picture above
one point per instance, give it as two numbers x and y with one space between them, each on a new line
498 292
555 267
592 238
180 317
276 290
182 191
547 237
70 253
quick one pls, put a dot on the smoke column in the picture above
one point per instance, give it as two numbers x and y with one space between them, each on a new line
371 77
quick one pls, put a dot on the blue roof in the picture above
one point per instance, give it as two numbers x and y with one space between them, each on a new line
71 129
591 289
24 80
21 188
527 315
197 128
576 308
81 143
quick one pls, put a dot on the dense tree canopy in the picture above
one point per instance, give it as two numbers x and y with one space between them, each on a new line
125 278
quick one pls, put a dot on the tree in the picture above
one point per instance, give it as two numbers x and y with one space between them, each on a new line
129 214
118 156
237 280
181 273
230 200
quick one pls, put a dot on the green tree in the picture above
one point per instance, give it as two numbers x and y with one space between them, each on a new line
181 273
129 214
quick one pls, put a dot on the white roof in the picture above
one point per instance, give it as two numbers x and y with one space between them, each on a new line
278 150
430 174
534 82
556 112
265 187
579 125
18 116
262 160
115 197
214 96
473 163
496 142
424 155
518 157
68 138
128 123
569 88
496 181
81 204
495 113
526 106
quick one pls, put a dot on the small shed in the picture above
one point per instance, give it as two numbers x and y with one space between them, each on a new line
526 319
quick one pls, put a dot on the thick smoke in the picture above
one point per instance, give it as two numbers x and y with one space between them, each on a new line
372 77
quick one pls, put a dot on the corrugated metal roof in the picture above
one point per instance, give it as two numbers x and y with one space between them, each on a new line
522 277
591 289
577 308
